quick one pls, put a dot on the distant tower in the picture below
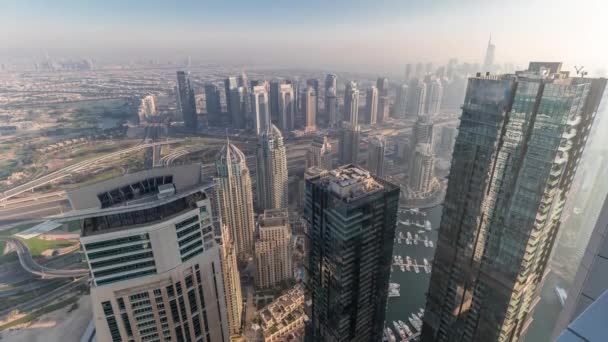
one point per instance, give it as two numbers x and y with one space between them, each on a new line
315 84
371 105
238 107
422 169
271 170
273 249
310 109
331 103
416 98
319 153
187 101
383 99
261 109
351 103
235 198
423 130
401 102
351 217
349 144
212 99
488 61
230 84
286 107
434 93
408 72
375 156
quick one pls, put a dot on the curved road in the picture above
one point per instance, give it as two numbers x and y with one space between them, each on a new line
31 266
66 171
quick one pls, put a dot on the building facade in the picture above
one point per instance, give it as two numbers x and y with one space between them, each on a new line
186 101
415 99
319 153
351 217
371 106
351 103
286 107
235 198
156 270
273 249
519 142
261 109
331 101
310 109
375 156
422 169
349 144
272 184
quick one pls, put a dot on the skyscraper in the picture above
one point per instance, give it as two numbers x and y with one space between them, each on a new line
156 270
371 105
351 217
422 168
273 249
238 107
235 198
408 72
310 108
415 99
319 153
271 170
506 191
331 103
434 92
261 109
383 99
232 282
423 130
488 61
401 102
186 101
229 85
349 144
286 107
351 103
375 156
315 84
212 99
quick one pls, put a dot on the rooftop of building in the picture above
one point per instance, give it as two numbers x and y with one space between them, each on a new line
350 182
231 153
283 310
274 217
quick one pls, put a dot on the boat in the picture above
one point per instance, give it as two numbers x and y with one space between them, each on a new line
420 231
431 244
562 295
405 327
427 225
412 323
399 331
390 336
416 269
402 268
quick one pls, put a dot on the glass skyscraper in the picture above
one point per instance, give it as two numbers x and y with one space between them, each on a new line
351 218
519 142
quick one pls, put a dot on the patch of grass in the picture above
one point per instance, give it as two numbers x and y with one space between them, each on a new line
37 245
38 313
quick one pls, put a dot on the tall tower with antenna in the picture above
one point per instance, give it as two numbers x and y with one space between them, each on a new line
488 62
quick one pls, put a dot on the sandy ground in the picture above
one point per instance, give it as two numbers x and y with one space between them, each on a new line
57 326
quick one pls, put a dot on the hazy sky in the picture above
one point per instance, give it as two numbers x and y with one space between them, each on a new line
348 33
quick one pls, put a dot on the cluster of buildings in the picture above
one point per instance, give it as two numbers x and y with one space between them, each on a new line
164 245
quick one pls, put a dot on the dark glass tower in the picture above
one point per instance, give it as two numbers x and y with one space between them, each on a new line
187 101
351 218
519 142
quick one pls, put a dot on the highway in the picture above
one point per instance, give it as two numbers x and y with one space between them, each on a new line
31 266
66 171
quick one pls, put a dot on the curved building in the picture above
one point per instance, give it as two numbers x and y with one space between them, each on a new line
271 170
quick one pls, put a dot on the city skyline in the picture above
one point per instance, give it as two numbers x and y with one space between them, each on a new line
70 29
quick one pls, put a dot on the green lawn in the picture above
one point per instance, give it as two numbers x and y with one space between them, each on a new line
38 245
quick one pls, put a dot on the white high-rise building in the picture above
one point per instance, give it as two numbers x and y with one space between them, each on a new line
310 109
319 153
156 270
434 93
351 103
261 108
287 105
422 169
416 98
273 249
371 105
147 108
235 198
271 172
